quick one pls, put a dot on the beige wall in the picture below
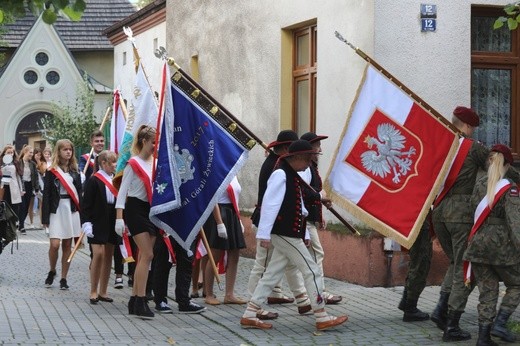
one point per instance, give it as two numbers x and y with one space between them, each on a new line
435 65
124 75
239 46
99 65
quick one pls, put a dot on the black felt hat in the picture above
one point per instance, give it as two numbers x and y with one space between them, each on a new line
300 147
311 137
284 137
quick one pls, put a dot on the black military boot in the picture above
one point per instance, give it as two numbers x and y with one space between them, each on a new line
484 337
499 327
440 314
453 331
412 314
402 303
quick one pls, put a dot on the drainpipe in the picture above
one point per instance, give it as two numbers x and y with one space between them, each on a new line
389 246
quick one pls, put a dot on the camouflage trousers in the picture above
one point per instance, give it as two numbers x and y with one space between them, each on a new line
453 238
419 265
488 278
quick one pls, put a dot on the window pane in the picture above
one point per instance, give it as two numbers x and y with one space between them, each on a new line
491 99
485 39
302 106
302 50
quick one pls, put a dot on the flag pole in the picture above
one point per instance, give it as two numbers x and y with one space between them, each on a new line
397 82
92 148
172 62
210 255
82 234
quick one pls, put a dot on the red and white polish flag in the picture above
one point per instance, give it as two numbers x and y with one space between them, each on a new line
391 160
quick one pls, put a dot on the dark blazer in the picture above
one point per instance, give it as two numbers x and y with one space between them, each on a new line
95 209
34 174
51 194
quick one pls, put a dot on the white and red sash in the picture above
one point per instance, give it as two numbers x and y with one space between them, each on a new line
233 199
481 213
126 248
143 174
456 165
70 188
171 258
108 183
89 160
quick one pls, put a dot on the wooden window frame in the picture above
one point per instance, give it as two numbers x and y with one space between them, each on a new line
305 72
502 61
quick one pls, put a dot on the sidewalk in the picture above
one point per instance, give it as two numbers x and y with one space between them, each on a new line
31 314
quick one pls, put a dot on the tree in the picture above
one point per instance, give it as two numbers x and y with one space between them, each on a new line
142 3
74 121
72 9
512 17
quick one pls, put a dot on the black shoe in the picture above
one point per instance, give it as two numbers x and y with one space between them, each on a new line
131 305
142 309
130 282
50 279
163 308
453 332
22 231
412 314
63 284
94 301
191 308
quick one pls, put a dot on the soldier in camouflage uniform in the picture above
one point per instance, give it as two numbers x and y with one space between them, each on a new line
494 248
418 268
452 222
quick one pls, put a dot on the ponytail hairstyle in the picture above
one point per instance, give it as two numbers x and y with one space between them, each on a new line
104 156
496 171
144 132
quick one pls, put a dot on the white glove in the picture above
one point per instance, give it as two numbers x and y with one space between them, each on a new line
120 227
242 225
221 230
87 229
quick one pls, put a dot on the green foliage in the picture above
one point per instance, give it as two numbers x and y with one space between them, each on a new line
75 121
142 3
512 17
71 9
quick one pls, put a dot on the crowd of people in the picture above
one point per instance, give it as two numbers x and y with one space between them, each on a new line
72 198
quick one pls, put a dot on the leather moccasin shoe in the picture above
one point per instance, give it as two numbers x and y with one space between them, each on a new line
304 309
254 323
335 321
279 300
333 299
266 315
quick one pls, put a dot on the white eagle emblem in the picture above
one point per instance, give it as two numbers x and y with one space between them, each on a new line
388 158
184 163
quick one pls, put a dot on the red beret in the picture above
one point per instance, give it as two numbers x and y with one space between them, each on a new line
504 150
467 115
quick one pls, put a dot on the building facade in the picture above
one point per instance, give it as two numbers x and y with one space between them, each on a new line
44 65
278 65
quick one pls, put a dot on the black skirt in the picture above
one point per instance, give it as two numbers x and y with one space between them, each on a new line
136 215
235 238
101 236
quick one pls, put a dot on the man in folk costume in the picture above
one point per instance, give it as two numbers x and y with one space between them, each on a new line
314 198
97 141
494 245
282 225
263 255
452 221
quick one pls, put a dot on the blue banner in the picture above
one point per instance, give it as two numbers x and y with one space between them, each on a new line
197 156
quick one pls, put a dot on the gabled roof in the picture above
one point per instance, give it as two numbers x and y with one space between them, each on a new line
142 20
87 34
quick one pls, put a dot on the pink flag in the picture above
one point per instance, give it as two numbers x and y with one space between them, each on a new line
391 160
117 124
